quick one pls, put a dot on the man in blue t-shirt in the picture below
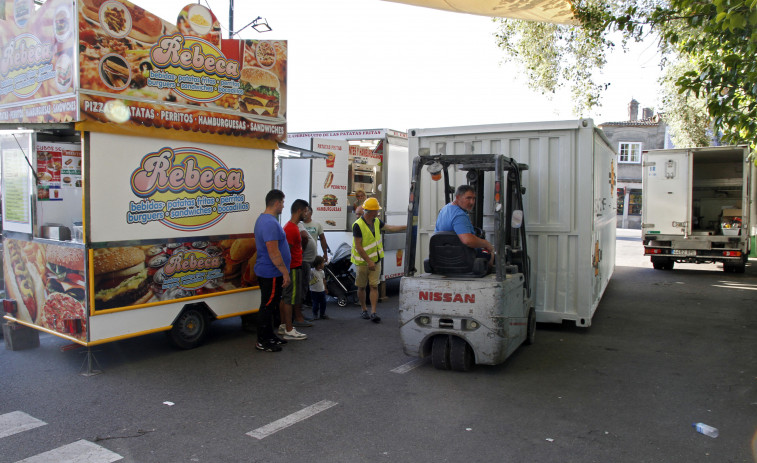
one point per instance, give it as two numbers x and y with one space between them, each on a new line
272 269
454 217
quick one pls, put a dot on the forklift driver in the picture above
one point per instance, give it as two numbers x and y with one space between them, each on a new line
454 217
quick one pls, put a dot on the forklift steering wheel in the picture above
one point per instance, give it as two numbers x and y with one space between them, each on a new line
479 232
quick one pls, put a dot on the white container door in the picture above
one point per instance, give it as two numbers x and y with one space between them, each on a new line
667 192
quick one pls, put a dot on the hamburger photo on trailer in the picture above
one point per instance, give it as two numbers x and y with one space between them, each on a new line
64 272
261 92
329 200
120 278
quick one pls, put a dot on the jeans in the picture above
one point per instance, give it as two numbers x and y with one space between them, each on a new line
319 303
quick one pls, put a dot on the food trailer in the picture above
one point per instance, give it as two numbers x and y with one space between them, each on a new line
136 155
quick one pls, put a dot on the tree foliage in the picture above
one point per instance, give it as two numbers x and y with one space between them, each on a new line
686 114
713 43
718 38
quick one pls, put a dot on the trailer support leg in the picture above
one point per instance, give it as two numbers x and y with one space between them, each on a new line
90 360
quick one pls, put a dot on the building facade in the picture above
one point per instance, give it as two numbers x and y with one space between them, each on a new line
630 138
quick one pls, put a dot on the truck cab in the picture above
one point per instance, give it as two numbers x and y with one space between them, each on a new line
458 309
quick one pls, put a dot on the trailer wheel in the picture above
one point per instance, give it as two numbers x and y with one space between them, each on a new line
531 333
440 352
461 356
190 328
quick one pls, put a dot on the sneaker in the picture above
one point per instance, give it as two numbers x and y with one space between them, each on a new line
375 318
278 341
302 324
365 315
325 317
267 347
282 328
295 335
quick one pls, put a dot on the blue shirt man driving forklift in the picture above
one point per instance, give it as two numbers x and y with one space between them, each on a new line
454 217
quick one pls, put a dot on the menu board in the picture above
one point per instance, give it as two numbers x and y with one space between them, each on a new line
16 191
58 167
141 71
329 180
37 53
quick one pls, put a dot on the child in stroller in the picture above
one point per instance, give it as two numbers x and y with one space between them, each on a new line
340 279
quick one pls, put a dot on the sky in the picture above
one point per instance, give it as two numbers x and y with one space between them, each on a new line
360 64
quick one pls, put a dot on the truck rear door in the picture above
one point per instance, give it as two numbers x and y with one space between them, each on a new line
667 194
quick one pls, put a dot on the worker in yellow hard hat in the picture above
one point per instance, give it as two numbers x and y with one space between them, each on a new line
367 251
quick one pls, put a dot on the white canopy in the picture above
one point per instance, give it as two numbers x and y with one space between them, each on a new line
553 11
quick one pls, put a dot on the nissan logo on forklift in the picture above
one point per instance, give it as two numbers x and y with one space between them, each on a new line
446 297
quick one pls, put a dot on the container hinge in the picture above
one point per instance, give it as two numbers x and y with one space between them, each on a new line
680 224
648 164
647 225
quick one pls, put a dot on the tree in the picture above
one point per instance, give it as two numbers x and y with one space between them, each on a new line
718 38
686 114
712 43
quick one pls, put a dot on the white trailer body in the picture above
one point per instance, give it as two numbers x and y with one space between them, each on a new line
570 205
383 151
698 206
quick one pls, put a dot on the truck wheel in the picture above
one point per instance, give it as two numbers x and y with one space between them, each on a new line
662 263
531 333
190 328
440 352
669 264
461 356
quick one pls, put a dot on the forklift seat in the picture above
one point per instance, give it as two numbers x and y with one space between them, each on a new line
449 256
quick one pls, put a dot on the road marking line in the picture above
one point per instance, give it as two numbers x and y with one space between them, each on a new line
294 418
16 422
81 451
411 365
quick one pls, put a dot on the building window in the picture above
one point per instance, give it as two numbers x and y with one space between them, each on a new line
634 202
621 200
629 152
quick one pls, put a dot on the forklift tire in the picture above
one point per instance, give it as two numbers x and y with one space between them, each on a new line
461 356
190 328
440 352
531 333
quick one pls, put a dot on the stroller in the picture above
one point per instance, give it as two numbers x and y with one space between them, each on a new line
340 279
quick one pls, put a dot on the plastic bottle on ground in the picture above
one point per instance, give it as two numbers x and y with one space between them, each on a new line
706 430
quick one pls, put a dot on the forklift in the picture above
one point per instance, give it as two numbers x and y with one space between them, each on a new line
462 311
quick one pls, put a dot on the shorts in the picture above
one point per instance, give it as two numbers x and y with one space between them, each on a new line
292 294
366 276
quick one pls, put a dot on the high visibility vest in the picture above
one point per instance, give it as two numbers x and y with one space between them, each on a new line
371 242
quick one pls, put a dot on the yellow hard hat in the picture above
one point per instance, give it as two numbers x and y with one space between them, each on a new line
371 204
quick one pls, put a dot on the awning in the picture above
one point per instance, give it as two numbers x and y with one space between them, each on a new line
552 11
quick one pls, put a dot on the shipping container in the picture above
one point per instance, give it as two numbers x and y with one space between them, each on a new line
570 205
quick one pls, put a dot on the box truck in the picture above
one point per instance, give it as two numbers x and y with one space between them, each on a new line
698 206
570 205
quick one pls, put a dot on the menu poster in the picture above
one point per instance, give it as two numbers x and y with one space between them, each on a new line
71 167
49 160
329 179
16 191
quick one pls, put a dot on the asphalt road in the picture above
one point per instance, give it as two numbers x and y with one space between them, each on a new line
665 349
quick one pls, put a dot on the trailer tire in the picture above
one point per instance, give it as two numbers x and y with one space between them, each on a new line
531 333
190 327
461 356
440 352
